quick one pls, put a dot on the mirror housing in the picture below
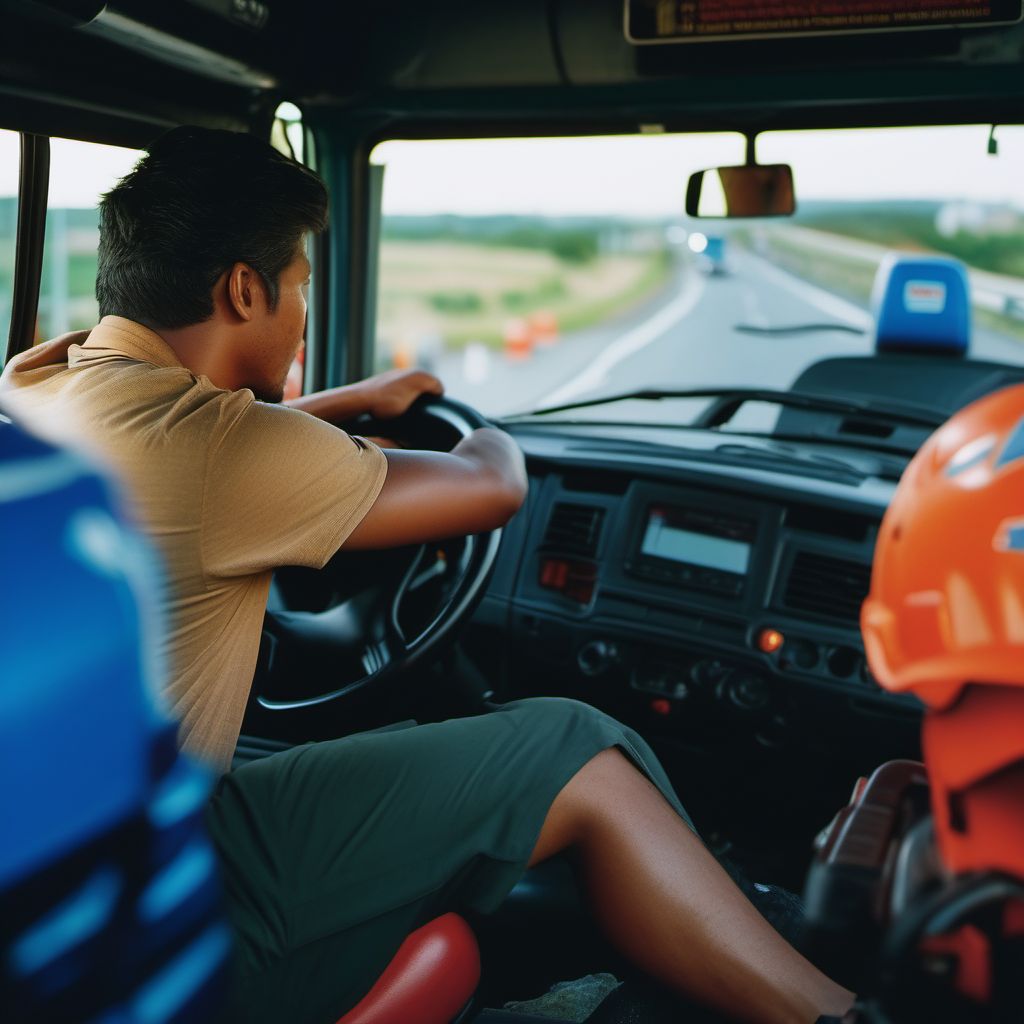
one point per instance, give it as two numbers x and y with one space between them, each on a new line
748 190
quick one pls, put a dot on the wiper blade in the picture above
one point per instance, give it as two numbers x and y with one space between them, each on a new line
832 325
730 399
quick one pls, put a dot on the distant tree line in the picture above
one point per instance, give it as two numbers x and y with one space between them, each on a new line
570 239
912 225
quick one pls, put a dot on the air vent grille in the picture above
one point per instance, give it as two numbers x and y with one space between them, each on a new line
574 529
831 588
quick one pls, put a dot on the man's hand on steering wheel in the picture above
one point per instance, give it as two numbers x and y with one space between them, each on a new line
391 393
384 396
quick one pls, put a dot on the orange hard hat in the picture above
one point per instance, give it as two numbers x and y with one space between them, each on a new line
946 606
945 620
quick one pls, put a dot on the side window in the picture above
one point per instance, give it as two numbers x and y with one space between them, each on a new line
288 136
10 160
80 172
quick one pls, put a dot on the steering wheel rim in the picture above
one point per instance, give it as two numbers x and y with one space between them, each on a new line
387 652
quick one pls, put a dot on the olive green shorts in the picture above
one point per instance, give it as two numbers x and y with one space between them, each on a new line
333 852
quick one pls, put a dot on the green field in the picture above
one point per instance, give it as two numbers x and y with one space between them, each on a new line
456 292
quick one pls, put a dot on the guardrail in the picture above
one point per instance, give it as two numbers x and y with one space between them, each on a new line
996 293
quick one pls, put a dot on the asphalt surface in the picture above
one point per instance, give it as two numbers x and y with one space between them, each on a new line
687 337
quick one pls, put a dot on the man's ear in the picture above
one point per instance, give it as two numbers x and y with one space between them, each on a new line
245 290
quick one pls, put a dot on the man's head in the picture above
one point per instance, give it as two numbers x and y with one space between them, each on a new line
209 228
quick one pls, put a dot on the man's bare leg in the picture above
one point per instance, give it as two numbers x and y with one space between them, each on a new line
665 902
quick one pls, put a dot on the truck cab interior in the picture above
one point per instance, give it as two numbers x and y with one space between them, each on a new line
715 412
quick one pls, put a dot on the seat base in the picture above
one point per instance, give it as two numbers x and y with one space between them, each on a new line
431 979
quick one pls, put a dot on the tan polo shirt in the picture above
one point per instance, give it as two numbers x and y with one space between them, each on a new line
229 488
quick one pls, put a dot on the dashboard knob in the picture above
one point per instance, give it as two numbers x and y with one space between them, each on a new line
748 692
709 672
596 657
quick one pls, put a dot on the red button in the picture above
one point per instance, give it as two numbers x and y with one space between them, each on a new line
660 706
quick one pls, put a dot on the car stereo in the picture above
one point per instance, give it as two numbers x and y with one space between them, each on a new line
694 548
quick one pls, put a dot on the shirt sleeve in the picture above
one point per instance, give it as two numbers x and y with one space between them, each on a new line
284 488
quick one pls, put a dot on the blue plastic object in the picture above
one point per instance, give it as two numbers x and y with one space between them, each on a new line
922 304
110 902
71 624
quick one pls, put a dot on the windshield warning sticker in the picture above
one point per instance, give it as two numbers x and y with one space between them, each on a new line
688 21
924 297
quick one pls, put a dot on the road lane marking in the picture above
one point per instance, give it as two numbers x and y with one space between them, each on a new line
752 308
630 343
824 300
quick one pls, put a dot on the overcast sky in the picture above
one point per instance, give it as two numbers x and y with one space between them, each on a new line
634 175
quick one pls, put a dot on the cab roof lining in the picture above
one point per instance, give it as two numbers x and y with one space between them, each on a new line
500 67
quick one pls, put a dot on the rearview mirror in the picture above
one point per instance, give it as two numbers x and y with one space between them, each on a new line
749 190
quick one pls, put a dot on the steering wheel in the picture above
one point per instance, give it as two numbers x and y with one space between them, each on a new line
375 614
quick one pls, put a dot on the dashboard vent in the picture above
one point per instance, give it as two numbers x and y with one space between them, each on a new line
574 529
832 588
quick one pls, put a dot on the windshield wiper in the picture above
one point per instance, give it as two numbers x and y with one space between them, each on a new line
832 325
728 401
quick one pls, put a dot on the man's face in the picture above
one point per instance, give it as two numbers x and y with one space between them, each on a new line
278 334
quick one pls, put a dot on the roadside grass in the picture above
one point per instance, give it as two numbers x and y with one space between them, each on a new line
849 277
452 293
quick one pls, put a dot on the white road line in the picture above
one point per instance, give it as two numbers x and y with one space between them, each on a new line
630 343
824 300
752 309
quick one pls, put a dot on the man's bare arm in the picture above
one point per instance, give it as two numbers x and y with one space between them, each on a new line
384 396
478 485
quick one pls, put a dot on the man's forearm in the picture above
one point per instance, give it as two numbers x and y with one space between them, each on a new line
383 396
497 456
335 405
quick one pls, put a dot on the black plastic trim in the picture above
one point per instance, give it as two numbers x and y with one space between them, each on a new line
33 187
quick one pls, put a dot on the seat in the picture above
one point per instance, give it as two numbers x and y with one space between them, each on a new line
922 305
110 902
431 979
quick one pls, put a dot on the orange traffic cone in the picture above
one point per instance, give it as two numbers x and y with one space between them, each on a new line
403 357
544 327
518 339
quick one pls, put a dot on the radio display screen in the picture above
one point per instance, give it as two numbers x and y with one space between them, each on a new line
673 541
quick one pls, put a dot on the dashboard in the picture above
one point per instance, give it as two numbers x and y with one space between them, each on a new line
686 593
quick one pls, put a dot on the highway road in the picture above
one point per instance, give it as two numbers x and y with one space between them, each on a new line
687 337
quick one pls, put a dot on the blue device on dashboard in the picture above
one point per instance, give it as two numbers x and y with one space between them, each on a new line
922 304
109 891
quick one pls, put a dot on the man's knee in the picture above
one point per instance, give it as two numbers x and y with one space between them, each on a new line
573 714
578 805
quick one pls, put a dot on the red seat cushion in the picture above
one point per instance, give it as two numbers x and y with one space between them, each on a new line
431 978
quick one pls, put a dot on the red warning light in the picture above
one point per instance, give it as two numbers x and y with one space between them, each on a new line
770 640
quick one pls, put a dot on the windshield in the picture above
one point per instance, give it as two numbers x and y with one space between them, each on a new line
538 272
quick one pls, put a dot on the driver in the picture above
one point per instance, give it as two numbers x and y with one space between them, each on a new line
333 852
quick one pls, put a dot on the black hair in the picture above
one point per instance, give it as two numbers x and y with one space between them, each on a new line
198 202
